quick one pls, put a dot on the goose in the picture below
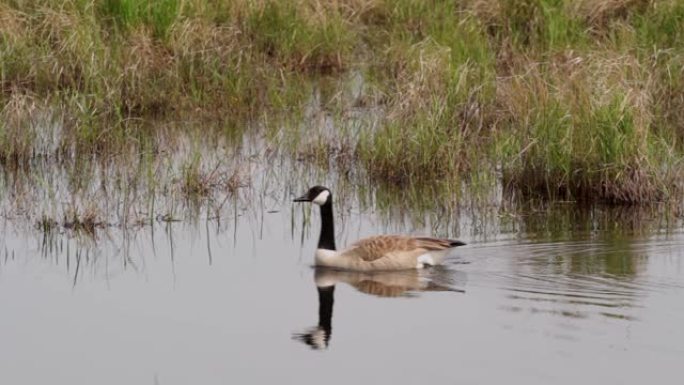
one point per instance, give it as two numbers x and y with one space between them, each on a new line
377 253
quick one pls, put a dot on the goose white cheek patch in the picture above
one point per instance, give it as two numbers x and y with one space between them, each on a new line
321 198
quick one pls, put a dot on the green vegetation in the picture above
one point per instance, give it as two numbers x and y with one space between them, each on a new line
571 100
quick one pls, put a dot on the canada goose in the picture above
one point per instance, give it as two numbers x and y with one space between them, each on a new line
382 252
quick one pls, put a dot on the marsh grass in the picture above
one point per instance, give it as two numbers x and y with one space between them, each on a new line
123 59
197 182
129 14
301 36
571 100
565 99
152 177
586 131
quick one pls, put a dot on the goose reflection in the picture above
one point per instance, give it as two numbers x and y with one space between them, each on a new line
390 284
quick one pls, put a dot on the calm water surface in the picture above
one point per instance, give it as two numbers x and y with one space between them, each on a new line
238 302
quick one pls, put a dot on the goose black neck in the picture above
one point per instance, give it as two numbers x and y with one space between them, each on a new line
325 308
327 239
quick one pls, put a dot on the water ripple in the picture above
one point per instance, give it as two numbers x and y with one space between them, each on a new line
588 278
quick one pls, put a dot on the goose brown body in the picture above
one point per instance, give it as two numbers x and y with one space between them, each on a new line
388 252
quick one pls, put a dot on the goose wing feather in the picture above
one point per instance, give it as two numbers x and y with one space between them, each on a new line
373 248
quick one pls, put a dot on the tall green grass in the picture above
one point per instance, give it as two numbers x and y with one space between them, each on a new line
159 15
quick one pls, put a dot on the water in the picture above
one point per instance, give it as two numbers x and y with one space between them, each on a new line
237 301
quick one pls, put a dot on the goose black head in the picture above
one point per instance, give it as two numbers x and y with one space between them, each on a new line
317 194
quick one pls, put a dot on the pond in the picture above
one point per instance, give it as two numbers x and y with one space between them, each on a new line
591 297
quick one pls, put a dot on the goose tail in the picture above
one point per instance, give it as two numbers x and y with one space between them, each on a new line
455 243
438 243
